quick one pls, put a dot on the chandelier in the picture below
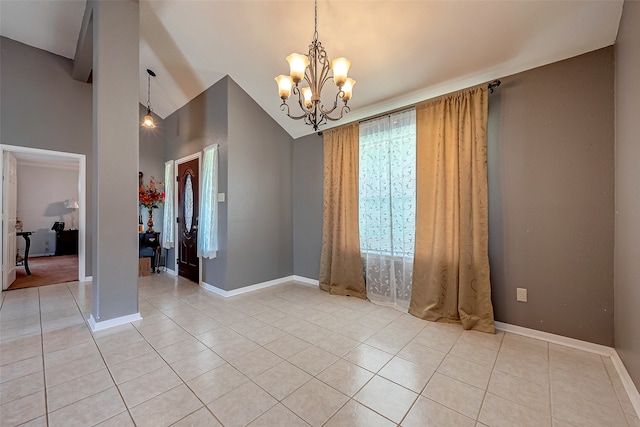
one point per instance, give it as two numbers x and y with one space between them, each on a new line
316 69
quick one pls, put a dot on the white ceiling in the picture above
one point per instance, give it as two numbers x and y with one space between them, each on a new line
402 51
47 160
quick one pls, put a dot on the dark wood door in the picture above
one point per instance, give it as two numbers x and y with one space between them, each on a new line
188 211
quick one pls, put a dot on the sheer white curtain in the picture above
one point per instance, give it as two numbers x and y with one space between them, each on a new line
208 221
387 206
169 220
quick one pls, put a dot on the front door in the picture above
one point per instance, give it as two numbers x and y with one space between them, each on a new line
9 217
188 210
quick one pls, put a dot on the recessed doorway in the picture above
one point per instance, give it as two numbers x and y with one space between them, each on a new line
48 212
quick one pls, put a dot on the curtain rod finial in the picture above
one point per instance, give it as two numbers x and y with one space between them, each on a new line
494 84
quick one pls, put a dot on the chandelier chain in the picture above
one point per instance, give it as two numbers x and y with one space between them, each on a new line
315 26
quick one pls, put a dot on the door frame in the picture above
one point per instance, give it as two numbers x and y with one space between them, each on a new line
82 197
8 247
177 162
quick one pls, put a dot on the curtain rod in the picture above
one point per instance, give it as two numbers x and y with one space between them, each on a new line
491 85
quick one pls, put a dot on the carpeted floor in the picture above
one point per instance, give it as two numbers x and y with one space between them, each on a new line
47 270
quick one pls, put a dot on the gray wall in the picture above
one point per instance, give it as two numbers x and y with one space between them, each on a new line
551 170
627 235
255 161
37 85
202 122
307 205
260 194
550 198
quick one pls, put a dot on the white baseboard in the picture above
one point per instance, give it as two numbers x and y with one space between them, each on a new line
556 339
246 289
306 280
98 326
170 271
629 386
88 279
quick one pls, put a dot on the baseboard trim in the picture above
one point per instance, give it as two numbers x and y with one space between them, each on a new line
627 382
556 339
99 326
170 271
306 280
88 279
629 386
246 289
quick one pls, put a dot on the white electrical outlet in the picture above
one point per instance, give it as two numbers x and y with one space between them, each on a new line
521 294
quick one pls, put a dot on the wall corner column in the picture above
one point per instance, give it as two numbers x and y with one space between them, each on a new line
115 162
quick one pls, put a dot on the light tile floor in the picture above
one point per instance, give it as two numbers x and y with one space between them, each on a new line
290 355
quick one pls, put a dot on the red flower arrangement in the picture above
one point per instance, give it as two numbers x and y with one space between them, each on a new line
152 195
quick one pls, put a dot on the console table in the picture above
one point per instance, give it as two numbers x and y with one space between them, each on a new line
27 239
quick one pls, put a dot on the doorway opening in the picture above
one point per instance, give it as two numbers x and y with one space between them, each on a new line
43 207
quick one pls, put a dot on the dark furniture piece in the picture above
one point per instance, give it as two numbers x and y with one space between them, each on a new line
149 246
27 240
67 242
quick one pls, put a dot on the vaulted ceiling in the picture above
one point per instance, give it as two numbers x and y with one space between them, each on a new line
402 51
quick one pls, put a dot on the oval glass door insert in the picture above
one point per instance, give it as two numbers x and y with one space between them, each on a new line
188 204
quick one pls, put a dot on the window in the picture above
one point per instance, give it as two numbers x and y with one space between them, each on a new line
387 206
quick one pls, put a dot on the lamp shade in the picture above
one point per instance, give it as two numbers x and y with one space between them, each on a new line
71 204
347 88
307 95
297 64
340 68
284 86
148 122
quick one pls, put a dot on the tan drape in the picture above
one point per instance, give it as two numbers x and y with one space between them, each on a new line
451 264
340 262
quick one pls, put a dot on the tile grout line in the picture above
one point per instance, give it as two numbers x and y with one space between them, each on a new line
171 367
297 301
261 346
105 365
486 390
44 377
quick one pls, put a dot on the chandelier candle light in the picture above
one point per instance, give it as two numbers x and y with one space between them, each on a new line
315 68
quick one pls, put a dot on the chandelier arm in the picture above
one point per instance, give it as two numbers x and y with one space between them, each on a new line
285 107
326 78
296 91
323 60
339 95
312 69
322 121
345 109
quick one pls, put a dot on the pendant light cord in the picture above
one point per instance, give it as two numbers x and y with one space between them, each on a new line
148 93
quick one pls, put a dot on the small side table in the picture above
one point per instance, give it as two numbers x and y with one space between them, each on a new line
27 239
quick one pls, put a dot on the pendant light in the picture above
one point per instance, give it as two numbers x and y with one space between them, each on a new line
148 119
